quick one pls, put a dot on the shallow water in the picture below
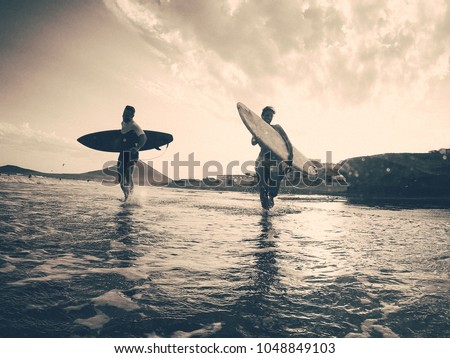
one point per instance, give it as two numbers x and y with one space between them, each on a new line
75 261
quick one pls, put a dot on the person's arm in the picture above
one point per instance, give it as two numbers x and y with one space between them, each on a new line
142 141
289 146
141 136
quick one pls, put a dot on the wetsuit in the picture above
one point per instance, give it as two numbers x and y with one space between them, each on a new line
271 171
128 158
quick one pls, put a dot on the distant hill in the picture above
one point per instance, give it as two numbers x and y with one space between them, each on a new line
15 170
383 178
399 175
144 174
12 170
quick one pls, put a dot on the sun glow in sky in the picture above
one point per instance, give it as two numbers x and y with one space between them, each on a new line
351 77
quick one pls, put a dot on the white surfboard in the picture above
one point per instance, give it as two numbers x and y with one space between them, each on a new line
271 139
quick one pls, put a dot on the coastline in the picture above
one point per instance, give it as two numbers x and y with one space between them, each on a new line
400 179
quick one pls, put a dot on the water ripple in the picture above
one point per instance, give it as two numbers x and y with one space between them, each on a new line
77 262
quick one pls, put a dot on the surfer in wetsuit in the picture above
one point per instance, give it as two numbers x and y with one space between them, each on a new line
269 169
133 139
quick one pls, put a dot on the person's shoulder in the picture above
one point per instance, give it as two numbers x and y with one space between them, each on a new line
134 125
137 128
277 127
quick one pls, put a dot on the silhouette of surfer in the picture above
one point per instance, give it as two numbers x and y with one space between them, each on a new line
133 138
269 169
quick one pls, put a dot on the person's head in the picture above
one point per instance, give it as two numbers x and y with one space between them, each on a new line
128 113
267 114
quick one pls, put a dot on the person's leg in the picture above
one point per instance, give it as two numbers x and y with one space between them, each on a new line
130 172
134 157
263 197
262 174
121 172
125 183
274 186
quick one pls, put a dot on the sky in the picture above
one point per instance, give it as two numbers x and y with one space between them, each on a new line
351 77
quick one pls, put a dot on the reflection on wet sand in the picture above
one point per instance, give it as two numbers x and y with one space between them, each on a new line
266 256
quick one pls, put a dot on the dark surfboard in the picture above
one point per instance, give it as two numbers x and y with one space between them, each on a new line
112 141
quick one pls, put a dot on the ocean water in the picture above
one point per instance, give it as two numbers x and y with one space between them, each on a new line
75 261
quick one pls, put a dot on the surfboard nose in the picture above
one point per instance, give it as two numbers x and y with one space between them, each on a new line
242 108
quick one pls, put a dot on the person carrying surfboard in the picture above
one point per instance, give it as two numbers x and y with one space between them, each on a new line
269 170
133 139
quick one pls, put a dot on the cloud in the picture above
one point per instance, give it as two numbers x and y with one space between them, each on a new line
348 50
24 138
36 149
